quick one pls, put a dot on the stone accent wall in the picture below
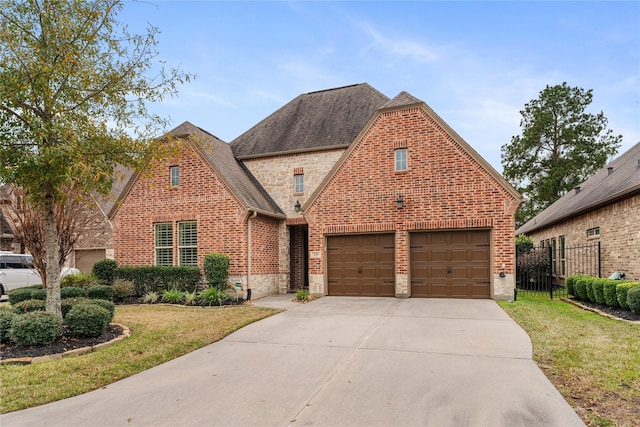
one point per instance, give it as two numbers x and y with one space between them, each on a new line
443 188
619 235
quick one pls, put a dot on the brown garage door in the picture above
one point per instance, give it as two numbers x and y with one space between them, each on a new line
85 258
361 265
451 264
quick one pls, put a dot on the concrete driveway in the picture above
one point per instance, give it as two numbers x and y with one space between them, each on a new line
338 362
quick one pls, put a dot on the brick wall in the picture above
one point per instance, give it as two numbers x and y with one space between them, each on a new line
619 235
443 188
201 196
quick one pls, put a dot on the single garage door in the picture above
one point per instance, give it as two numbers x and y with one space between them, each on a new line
361 265
451 264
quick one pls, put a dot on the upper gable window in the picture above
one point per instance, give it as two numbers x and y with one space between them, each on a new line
175 175
299 183
401 159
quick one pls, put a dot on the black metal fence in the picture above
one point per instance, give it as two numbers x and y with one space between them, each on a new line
544 269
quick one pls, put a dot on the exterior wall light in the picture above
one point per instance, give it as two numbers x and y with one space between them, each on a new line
400 202
298 206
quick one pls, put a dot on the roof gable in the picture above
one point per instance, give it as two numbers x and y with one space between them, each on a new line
316 120
618 180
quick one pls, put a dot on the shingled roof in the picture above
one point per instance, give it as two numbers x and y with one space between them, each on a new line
235 175
618 181
317 120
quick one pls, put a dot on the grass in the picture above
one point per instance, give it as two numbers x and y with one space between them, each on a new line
158 334
592 360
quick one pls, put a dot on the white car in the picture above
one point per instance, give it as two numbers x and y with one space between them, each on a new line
17 271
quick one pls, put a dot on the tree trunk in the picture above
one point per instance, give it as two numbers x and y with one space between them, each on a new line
52 279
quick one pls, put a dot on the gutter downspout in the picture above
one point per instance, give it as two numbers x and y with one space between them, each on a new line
249 217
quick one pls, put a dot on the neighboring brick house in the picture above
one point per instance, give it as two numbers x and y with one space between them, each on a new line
343 191
606 209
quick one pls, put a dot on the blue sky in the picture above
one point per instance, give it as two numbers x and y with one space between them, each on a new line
475 63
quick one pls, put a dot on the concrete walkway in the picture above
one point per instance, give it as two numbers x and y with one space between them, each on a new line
338 362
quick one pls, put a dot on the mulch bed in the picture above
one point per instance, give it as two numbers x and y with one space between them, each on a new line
61 345
612 311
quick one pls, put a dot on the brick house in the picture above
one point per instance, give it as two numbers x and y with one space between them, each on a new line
605 208
343 191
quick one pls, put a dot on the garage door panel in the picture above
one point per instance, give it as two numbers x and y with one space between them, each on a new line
452 264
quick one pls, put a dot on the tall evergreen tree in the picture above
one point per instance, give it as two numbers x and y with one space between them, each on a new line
561 146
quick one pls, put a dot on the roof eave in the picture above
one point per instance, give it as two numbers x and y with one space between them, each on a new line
289 152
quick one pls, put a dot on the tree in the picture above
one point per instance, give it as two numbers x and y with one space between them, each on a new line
561 146
75 85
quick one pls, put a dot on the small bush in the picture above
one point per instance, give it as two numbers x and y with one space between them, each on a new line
100 292
104 270
598 290
68 303
302 295
190 298
84 281
590 296
6 315
21 294
159 278
35 328
216 270
108 305
609 290
570 282
210 296
633 299
581 288
87 320
150 297
621 292
72 292
172 296
29 305
122 289
40 294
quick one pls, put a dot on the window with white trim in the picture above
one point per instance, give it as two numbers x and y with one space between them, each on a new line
175 175
593 232
401 159
299 183
164 243
563 260
188 243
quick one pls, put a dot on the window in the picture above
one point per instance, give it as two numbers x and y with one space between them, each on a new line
554 256
164 243
188 243
563 260
299 183
175 175
401 159
593 232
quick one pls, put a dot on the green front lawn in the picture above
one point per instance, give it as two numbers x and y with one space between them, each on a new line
592 360
158 333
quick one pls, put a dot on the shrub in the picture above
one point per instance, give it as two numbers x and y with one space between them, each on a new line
6 315
150 297
302 295
633 299
122 289
21 294
598 290
100 292
172 296
35 328
87 320
29 305
40 294
621 292
210 296
570 282
104 270
68 303
72 292
83 281
159 278
190 298
609 290
216 270
590 296
107 305
581 288
523 244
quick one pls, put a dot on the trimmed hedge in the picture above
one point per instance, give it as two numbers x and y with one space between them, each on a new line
100 292
68 303
158 278
72 292
29 305
633 299
598 290
107 305
21 294
590 296
6 315
570 282
83 281
35 328
610 296
104 271
87 320
216 270
581 288
621 292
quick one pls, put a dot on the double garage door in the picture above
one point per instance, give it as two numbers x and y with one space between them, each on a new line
442 264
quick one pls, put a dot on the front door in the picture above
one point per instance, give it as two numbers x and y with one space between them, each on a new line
298 261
